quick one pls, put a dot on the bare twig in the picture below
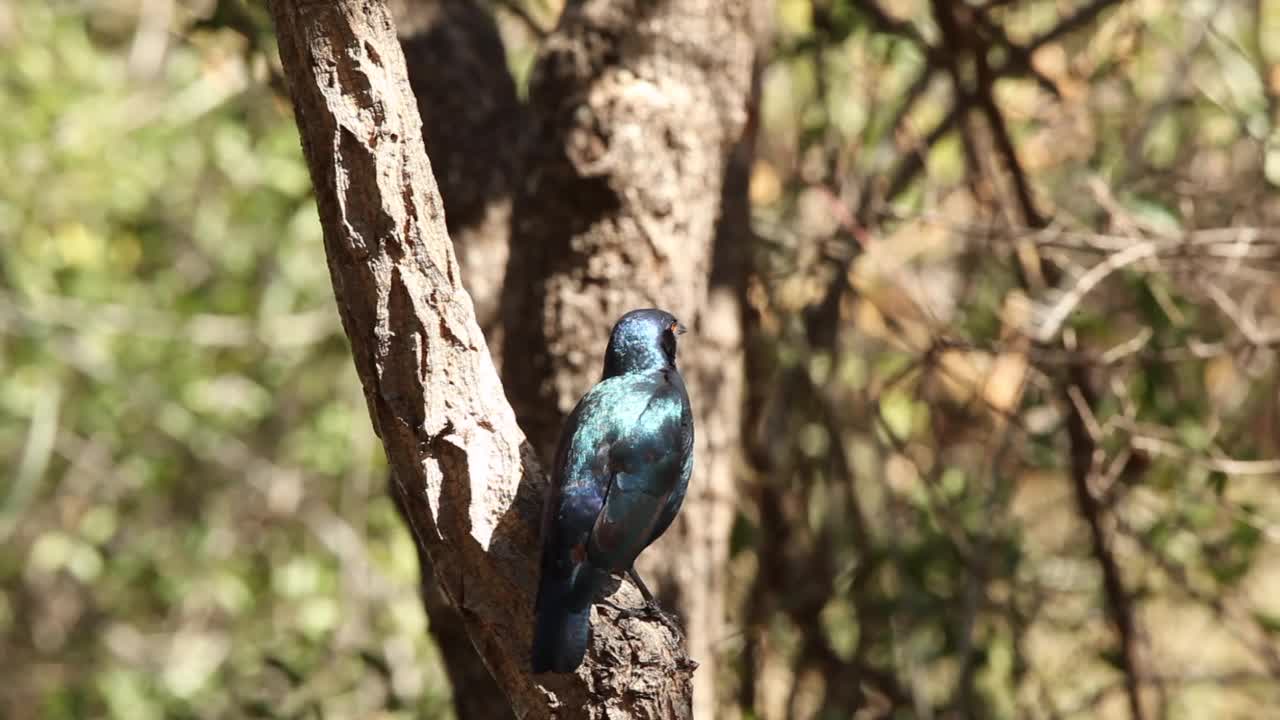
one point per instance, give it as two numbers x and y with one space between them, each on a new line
1057 314
1225 465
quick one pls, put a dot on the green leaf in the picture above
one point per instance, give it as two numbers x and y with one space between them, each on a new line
1269 622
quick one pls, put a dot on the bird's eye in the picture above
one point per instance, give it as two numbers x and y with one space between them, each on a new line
668 341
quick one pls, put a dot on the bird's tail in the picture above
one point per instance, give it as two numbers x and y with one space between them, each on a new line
563 623
560 639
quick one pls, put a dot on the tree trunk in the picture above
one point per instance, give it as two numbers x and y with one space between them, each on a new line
471 118
468 481
471 122
635 106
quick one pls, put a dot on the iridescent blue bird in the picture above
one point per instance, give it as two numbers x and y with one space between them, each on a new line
620 475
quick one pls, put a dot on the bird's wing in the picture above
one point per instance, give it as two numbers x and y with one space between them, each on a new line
676 498
647 468
568 513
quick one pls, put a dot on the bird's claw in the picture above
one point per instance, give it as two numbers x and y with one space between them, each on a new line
648 611
662 617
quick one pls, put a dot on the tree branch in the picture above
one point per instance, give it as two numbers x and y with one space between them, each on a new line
1079 401
468 481
1004 141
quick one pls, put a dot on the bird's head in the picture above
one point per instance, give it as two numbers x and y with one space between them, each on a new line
642 340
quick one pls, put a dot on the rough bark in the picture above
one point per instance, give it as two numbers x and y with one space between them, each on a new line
471 120
635 106
471 117
469 483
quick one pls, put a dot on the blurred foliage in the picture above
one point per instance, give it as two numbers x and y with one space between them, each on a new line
931 333
193 520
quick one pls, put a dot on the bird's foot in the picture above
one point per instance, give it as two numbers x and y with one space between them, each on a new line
648 611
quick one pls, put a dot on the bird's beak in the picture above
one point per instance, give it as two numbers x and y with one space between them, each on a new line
678 328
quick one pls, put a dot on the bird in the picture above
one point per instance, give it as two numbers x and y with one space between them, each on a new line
621 471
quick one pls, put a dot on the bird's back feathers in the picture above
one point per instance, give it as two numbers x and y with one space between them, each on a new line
620 475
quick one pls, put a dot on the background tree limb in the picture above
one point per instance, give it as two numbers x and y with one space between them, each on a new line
634 120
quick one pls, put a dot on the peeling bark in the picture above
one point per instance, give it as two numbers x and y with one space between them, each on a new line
635 107
468 482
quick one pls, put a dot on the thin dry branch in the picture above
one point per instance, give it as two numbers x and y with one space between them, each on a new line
1084 466
1060 310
